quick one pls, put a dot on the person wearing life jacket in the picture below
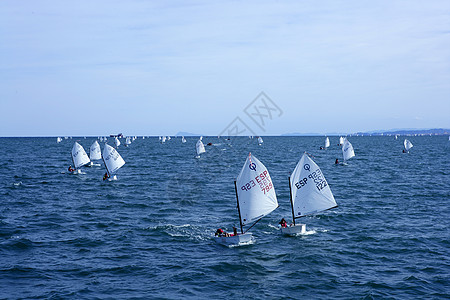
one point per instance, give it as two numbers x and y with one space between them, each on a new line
70 169
221 233
106 176
283 223
336 162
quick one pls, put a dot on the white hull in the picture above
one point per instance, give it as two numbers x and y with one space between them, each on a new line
112 178
240 239
294 230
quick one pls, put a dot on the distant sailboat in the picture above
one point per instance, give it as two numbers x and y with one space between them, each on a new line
127 141
79 158
58 140
163 140
260 141
183 140
347 150
116 142
327 143
255 196
407 144
309 193
113 162
341 141
200 147
95 153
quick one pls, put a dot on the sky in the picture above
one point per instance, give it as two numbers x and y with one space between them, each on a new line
160 67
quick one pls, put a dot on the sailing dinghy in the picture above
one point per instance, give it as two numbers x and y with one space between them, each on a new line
260 141
113 161
95 153
183 140
327 143
309 193
116 142
347 150
58 140
79 158
407 144
200 147
341 141
256 198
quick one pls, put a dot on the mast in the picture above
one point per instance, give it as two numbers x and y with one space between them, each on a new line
239 211
290 197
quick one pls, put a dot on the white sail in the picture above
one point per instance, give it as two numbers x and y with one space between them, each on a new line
183 140
117 142
309 189
256 193
128 141
260 140
163 140
200 147
168 138
58 140
95 152
79 156
347 150
327 142
408 145
112 159
341 140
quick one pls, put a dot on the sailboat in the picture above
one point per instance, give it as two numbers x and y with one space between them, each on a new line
255 196
260 141
408 145
117 142
112 160
309 193
183 140
163 140
347 150
327 143
79 158
58 140
200 147
95 153
341 141
127 141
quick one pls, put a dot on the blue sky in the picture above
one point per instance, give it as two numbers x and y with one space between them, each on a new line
159 67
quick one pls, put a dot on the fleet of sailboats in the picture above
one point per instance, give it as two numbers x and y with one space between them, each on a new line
256 198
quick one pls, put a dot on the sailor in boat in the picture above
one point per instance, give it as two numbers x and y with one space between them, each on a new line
209 144
70 169
106 176
404 151
336 162
321 148
283 223
220 232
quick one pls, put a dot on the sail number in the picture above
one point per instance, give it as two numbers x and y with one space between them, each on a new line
317 177
262 180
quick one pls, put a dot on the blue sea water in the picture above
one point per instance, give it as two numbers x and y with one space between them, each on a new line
149 234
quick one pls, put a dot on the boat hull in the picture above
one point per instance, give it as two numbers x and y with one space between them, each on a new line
235 240
293 230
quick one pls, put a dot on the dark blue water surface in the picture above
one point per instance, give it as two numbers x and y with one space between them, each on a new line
149 234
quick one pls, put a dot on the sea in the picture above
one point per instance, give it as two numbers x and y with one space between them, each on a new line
149 234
